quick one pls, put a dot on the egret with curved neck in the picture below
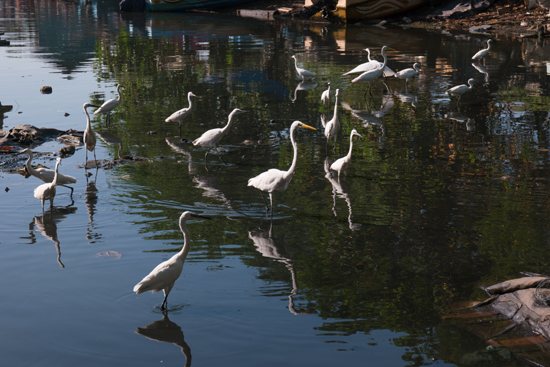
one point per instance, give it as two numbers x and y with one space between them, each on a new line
482 53
212 137
341 164
369 76
408 73
164 275
110 105
332 127
275 179
89 135
47 175
180 115
459 90
302 72
47 191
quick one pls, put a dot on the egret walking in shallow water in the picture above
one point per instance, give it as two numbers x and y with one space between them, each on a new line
459 90
302 72
275 179
110 105
46 191
89 135
180 115
47 175
212 137
370 65
332 127
482 53
408 73
369 76
325 96
163 277
340 165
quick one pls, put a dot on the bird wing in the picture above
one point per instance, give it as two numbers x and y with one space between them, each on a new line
160 277
209 138
479 54
338 164
268 181
107 106
388 72
44 191
371 65
178 115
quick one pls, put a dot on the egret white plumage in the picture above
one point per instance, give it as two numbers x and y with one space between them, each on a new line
110 105
180 115
89 135
164 275
408 73
275 179
459 90
325 96
47 175
341 164
371 65
46 191
482 53
369 76
332 127
212 137
302 72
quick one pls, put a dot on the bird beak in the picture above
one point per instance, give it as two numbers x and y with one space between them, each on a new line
200 216
307 126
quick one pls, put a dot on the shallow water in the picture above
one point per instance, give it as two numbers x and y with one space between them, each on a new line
440 196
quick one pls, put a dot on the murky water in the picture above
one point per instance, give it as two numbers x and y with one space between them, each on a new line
439 198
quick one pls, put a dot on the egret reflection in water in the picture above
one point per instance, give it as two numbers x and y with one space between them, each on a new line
373 118
271 247
341 189
110 139
166 331
46 224
304 85
483 71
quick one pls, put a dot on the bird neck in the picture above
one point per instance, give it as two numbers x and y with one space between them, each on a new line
295 63
54 182
292 168
190 102
226 128
348 157
119 94
335 115
186 242
368 55
385 59
88 123
31 170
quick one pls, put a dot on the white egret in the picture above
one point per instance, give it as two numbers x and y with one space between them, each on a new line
459 90
408 73
302 72
482 53
325 96
275 179
165 274
46 191
110 105
47 175
212 137
332 127
370 65
369 76
341 164
180 115
89 135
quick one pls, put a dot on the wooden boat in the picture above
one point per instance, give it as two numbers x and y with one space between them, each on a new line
356 10
182 5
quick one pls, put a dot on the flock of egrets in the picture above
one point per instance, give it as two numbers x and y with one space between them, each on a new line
165 274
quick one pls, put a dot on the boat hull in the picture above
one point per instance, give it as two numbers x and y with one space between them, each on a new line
183 5
356 10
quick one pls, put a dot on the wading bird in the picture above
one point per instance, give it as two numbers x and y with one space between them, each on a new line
408 73
332 127
110 105
340 165
482 53
302 72
47 191
275 179
47 175
89 135
370 65
180 115
167 272
212 137
369 76
459 90
325 97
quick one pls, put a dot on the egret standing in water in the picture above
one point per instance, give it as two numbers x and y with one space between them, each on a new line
47 191
369 76
212 137
89 135
408 73
370 65
302 72
110 105
332 127
180 115
275 179
163 277
47 175
325 96
342 164
459 90
482 53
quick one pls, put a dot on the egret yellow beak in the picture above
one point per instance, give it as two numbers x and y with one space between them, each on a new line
307 126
